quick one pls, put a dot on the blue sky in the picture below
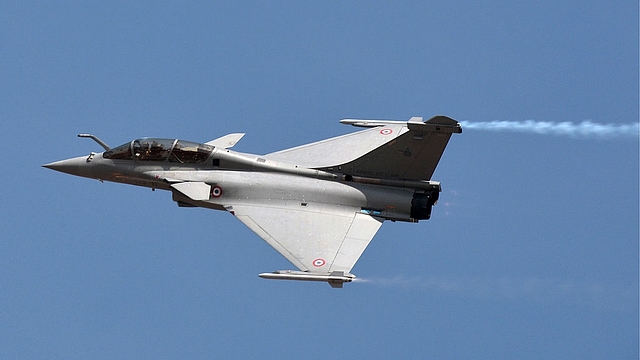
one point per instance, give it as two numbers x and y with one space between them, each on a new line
532 252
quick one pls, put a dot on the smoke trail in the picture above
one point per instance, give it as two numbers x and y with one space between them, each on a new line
535 289
585 129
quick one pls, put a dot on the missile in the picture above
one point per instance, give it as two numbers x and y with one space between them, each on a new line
335 278
370 123
437 123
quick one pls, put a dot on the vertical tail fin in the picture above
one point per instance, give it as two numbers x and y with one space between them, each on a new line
413 155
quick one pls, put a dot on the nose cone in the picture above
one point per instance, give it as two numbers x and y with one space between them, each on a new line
78 166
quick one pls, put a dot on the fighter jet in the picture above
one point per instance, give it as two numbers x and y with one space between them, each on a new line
319 204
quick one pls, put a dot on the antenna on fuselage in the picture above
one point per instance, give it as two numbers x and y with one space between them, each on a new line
95 138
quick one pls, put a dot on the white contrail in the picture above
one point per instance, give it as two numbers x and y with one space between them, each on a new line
584 129
536 289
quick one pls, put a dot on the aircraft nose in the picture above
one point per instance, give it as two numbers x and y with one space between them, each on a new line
75 166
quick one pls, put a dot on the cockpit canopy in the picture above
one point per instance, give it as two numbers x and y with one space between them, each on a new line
151 149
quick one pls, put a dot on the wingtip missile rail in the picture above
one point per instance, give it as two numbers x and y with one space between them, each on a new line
438 123
335 278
